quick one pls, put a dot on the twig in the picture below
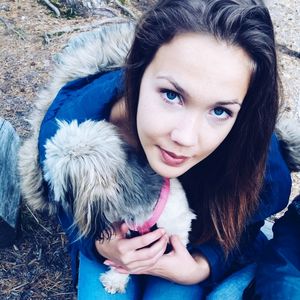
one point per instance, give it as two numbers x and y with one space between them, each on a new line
52 7
36 219
7 262
9 27
48 35
284 49
19 286
5 23
126 9
62 294
105 11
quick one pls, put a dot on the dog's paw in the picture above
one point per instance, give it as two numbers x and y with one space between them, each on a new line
114 282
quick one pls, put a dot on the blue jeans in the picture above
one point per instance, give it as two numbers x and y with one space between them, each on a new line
233 286
149 287
139 287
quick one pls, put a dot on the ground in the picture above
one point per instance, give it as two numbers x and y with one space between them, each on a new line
37 266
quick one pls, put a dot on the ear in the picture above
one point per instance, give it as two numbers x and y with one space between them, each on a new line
83 166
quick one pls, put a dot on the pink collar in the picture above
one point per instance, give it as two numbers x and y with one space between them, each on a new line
160 205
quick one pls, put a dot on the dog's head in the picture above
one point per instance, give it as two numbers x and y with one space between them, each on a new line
83 166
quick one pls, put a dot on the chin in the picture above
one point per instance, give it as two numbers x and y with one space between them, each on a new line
168 171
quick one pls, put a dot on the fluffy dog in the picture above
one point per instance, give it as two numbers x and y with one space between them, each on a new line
101 180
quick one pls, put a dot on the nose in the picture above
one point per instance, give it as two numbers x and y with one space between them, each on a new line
186 132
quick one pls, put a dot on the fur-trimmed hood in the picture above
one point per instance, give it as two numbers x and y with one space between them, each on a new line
288 134
88 53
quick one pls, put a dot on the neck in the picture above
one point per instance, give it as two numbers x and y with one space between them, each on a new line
118 117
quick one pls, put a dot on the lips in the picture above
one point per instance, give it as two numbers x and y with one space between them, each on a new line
172 159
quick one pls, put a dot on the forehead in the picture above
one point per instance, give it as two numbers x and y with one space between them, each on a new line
194 46
201 62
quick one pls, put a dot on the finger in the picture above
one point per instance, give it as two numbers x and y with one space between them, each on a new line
177 244
110 263
120 230
143 267
146 239
143 258
158 247
150 257
124 229
122 271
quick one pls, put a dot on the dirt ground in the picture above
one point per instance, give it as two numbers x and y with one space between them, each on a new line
37 266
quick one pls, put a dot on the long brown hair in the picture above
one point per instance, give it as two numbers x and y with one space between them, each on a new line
224 188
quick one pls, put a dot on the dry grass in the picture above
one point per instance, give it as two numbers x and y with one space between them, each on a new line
37 266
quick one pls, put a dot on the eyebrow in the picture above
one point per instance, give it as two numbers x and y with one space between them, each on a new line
186 94
176 85
229 102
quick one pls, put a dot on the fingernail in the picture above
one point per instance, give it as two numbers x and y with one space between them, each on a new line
106 262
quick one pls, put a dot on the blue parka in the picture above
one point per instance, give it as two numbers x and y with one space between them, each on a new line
92 98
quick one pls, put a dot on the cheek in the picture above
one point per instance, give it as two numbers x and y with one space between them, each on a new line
147 121
150 122
212 140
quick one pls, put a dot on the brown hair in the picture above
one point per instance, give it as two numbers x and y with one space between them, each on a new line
224 188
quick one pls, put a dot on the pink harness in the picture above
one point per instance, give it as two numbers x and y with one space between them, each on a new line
160 205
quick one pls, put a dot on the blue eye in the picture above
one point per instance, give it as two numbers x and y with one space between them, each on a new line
222 113
219 111
171 96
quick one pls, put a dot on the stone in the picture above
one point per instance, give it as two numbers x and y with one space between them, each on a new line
10 196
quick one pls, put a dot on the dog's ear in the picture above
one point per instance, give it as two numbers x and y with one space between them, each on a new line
82 166
100 226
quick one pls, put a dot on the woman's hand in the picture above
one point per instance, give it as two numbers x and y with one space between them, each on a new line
130 255
177 266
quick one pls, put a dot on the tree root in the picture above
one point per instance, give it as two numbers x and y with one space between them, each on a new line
284 49
52 7
126 9
11 28
49 35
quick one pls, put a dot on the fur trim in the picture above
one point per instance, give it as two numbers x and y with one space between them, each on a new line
288 133
101 50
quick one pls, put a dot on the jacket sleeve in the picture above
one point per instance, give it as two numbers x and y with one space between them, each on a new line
278 271
84 99
85 245
274 197
88 98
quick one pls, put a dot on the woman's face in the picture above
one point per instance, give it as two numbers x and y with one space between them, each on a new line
190 96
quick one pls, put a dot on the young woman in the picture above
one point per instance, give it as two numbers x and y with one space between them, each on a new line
198 98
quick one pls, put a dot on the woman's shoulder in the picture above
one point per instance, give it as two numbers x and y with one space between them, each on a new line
86 78
82 69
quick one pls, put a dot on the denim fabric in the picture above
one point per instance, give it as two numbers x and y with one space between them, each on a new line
139 286
233 286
